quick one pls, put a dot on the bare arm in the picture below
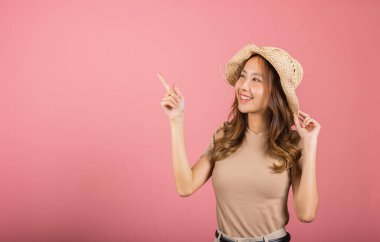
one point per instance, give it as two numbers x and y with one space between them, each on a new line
304 185
181 168
188 179
305 191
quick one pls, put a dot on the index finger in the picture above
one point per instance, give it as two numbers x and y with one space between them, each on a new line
303 114
166 85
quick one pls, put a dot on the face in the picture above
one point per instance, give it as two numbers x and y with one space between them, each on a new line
251 84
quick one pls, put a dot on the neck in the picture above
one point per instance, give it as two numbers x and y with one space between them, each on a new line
257 122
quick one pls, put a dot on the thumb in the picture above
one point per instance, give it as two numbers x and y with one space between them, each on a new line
296 122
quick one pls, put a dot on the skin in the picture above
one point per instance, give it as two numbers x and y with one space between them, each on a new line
251 83
190 179
173 102
304 185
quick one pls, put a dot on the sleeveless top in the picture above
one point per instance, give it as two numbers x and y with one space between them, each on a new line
251 200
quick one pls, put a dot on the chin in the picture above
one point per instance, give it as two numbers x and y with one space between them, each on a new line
245 109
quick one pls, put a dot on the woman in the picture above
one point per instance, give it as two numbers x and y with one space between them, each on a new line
256 156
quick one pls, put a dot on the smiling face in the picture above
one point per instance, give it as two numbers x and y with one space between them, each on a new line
252 83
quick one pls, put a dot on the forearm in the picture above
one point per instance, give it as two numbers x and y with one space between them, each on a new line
308 192
182 171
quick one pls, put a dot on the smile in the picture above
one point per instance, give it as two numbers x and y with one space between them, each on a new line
244 99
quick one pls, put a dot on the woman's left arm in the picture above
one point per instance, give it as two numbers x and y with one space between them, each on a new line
306 193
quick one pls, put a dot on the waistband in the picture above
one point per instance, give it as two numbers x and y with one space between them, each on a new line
274 235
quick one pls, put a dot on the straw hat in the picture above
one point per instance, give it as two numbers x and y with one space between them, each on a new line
288 68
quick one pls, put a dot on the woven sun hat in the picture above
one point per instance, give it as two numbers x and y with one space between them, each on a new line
288 68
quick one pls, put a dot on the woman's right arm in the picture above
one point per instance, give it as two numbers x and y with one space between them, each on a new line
181 169
188 179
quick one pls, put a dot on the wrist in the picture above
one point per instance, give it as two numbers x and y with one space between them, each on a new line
177 120
309 146
309 142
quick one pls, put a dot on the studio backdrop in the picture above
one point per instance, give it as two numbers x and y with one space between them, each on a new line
85 147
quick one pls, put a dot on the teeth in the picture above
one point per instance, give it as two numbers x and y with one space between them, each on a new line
245 97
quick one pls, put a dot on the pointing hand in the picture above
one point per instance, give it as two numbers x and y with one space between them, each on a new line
173 103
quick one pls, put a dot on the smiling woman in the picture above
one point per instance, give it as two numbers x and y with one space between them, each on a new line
255 156
265 110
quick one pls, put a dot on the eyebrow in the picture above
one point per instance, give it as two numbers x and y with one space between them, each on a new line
257 74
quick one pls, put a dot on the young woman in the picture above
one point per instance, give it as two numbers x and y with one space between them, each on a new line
255 156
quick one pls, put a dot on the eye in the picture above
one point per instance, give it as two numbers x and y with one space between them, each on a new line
241 75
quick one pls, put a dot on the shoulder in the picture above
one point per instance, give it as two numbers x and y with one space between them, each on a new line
220 131
217 134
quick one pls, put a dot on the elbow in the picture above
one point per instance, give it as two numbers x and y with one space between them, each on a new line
184 193
306 217
185 189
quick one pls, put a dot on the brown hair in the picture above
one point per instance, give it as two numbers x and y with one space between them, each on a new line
282 141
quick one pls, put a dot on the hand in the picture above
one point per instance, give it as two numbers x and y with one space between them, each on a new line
173 103
308 128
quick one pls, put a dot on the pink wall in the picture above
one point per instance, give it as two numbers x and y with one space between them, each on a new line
85 148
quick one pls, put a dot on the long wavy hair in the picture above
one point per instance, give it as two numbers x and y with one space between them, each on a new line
282 140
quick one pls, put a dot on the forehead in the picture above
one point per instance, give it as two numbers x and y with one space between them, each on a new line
254 64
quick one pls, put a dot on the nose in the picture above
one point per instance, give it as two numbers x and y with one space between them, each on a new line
245 85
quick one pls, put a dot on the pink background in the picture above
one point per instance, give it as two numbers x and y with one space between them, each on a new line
85 147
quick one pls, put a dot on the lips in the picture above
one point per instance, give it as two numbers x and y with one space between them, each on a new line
244 100
245 95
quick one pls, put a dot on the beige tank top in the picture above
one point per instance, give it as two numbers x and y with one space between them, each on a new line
251 200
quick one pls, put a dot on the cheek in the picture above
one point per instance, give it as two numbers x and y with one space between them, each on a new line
237 87
260 92
257 90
